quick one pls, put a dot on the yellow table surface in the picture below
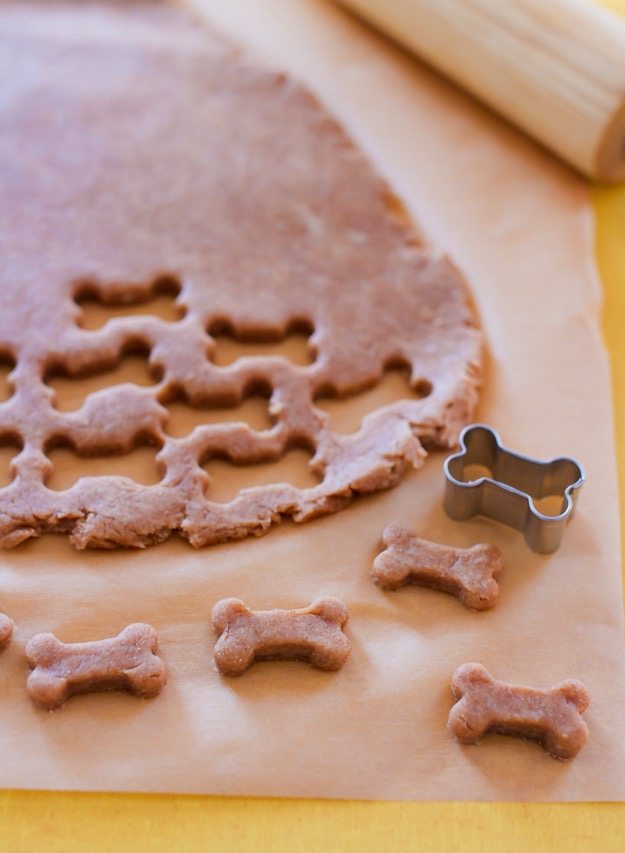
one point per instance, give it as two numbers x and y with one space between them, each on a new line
32 821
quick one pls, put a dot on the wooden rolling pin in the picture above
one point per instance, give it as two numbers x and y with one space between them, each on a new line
556 68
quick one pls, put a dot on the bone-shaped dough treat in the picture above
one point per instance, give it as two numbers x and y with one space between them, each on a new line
313 634
467 573
128 661
6 630
552 716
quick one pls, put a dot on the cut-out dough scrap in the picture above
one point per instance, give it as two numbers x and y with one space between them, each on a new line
550 716
313 634
259 244
467 573
128 662
6 630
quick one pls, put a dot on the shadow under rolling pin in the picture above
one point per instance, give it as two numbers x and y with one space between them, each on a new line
556 69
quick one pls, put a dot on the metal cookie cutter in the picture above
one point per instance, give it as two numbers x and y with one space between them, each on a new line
486 479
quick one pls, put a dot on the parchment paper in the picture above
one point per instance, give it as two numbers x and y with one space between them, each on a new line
520 227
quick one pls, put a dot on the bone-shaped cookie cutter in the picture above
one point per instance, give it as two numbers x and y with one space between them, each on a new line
507 490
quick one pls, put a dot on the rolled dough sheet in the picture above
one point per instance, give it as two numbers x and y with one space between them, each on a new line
520 227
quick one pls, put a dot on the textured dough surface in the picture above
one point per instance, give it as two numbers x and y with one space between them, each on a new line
136 147
313 634
6 630
550 716
129 661
467 573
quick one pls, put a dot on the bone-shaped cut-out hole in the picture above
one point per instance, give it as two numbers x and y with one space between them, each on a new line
227 480
230 346
347 413
6 366
71 391
183 418
67 467
10 446
96 310
6 455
